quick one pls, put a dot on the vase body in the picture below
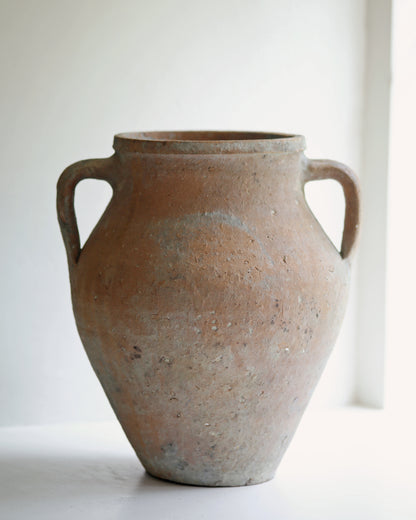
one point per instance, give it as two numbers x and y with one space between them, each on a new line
208 299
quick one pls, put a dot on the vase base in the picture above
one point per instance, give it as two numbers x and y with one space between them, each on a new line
205 482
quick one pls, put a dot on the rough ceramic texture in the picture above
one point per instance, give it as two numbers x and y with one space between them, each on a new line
208 297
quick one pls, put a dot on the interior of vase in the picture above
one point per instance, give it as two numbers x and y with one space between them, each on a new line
205 136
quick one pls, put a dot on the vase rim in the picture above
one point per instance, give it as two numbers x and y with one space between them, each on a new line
208 142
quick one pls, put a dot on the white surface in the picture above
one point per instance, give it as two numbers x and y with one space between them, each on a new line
401 273
75 72
350 464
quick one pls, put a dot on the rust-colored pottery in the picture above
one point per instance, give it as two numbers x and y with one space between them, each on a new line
208 297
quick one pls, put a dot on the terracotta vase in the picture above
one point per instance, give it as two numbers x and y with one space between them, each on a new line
208 297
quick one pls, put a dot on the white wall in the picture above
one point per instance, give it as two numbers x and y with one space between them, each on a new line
75 72
401 286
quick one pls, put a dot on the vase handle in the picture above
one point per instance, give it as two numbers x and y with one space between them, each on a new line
102 169
320 169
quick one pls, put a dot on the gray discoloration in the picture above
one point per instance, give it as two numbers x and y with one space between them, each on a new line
208 297
234 221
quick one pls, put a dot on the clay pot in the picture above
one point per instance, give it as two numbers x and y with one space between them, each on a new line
208 297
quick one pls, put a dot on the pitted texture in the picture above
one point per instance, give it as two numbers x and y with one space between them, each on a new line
208 299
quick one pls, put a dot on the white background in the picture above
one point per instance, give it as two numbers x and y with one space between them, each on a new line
75 72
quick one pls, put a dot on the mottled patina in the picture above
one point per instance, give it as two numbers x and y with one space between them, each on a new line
208 298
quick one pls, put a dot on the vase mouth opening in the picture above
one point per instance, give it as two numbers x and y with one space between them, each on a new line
208 141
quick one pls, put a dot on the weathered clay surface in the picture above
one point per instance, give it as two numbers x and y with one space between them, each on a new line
208 298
